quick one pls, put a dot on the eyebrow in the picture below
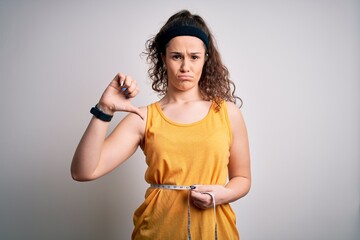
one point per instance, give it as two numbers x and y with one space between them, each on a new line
194 53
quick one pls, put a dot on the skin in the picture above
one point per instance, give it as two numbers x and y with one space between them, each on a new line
97 155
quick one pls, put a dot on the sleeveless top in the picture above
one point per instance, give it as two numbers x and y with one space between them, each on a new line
184 154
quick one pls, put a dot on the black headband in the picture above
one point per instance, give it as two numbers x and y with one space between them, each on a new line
184 31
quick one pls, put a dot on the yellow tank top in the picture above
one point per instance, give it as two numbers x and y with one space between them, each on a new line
184 154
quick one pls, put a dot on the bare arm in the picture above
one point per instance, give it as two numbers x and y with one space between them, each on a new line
239 164
97 154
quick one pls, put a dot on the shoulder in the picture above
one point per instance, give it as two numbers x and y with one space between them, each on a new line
233 110
235 117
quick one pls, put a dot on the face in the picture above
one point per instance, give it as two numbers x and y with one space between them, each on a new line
184 60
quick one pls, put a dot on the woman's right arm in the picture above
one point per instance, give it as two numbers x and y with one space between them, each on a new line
97 154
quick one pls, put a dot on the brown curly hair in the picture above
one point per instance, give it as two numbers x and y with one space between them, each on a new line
214 83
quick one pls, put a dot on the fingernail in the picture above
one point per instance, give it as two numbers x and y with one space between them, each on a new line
123 89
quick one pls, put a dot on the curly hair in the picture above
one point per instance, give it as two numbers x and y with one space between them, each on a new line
214 83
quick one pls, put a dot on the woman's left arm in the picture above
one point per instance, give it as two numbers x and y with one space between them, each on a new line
239 162
239 167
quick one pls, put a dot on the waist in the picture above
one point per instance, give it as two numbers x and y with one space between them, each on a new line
189 188
172 187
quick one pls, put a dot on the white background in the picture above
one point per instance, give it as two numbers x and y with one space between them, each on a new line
295 64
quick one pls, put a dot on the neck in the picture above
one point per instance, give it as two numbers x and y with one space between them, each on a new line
182 96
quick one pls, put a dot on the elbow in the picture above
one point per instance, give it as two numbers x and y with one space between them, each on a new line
247 187
78 173
247 190
79 177
244 186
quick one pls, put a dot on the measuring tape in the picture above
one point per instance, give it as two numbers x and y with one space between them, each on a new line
189 188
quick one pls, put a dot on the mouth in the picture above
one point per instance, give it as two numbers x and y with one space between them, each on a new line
185 77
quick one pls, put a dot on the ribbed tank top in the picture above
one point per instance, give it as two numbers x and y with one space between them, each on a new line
184 154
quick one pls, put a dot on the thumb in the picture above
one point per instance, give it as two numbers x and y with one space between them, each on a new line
139 113
136 111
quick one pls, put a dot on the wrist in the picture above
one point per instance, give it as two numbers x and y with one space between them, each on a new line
98 113
105 109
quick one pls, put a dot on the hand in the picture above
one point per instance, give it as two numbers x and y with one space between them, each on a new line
202 200
118 94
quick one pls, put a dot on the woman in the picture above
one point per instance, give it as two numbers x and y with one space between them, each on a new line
194 138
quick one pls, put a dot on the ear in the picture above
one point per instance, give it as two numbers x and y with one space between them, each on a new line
163 57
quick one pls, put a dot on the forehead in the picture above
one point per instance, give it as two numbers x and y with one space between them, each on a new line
189 43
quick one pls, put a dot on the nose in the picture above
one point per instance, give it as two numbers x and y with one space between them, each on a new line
184 65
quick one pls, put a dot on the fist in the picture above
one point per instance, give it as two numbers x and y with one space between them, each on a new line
117 96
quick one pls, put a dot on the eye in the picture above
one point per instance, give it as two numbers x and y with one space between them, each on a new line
195 57
176 56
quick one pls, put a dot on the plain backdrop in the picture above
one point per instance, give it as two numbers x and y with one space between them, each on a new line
295 64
